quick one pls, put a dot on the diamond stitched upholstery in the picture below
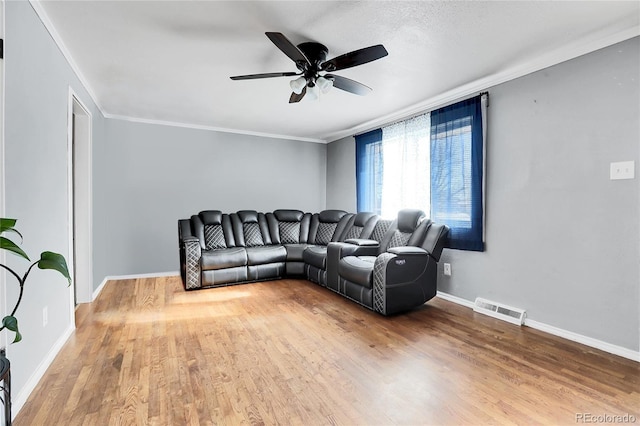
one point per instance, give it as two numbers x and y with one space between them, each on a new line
379 272
381 228
399 239
289 232
193 254
325 232
252 235
214 237
354 232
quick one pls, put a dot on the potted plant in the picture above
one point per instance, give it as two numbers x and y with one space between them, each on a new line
48 260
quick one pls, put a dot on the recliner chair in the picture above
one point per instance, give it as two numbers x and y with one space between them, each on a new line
212 255
360 225
326 227
394 275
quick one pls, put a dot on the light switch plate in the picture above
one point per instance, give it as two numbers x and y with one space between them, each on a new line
622 170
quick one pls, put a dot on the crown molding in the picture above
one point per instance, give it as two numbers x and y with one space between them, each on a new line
212 128
547 60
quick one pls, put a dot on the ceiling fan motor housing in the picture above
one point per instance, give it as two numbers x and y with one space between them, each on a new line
316 53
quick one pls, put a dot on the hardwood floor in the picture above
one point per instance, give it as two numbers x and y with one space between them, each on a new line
290 352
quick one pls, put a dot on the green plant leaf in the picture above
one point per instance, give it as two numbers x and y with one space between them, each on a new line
7 225
7 244
55 261
11 323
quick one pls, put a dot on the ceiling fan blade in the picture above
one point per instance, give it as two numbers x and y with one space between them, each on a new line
355 58
288 48
266 75
297 98
348 85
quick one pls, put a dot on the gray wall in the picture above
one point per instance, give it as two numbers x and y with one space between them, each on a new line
341 175
37 80
148 176
562 239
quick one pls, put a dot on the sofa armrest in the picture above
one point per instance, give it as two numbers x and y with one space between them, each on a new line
343 249
193 253
362 242
403 278
184 230
407 250
190 238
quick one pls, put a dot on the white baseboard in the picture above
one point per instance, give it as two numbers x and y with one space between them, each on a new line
98 290
585 340
455 299
19 400
565 334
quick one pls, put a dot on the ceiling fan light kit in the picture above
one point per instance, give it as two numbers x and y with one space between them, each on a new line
325 84
314 78
321 85
313 94
298 84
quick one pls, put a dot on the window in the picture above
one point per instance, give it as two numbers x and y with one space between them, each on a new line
394 159
434 162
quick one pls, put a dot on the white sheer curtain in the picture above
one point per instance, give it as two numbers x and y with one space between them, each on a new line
406 168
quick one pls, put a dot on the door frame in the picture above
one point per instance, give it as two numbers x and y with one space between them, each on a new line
80 196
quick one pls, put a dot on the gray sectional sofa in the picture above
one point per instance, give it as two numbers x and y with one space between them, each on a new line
388 266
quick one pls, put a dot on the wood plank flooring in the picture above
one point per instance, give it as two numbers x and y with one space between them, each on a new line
289 352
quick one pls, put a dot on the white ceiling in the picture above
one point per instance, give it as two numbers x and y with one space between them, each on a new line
170 61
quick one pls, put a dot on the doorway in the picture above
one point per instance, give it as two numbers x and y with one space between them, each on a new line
80 201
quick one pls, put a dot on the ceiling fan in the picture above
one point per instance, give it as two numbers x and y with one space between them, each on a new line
314 69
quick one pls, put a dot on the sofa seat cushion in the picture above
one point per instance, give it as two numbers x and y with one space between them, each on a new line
224 258
357 269
295 251
224 276
265 254
316 256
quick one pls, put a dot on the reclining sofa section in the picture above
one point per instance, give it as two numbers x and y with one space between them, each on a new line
388 266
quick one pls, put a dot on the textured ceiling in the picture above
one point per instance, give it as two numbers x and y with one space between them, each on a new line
170 61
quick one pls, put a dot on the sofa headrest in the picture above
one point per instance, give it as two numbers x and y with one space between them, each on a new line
360 219
409 219
435 239
248 216
211 217
288 215
331 216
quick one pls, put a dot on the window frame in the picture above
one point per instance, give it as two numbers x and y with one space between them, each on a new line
461 237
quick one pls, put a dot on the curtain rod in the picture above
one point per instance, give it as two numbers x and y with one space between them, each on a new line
408 117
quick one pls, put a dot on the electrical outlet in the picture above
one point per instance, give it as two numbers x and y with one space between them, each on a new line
622 170
447 269
45 316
